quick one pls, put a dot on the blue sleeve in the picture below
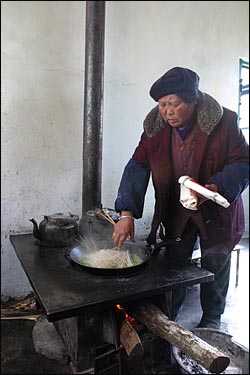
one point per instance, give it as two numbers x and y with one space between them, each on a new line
132 189
232 180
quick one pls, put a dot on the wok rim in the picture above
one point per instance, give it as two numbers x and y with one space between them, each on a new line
113 271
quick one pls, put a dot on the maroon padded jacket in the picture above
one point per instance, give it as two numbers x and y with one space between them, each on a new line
219 143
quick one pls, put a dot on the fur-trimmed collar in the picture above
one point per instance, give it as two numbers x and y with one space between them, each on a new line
209 113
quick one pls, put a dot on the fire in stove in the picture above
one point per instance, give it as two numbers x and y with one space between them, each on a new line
129 318
144 352
113 341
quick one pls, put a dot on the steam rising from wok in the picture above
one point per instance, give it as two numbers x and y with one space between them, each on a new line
99 256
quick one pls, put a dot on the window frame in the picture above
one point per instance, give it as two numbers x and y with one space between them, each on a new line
243 89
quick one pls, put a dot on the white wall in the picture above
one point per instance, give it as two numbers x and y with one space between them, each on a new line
42 96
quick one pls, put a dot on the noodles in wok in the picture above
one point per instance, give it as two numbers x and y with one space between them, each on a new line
109 258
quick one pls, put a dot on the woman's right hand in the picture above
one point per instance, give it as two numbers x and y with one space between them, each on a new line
123 229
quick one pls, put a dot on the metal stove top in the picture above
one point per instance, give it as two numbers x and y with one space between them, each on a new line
65 291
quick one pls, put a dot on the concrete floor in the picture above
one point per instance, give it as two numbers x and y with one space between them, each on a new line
18 355
235 319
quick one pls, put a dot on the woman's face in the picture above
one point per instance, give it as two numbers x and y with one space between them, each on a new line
175 111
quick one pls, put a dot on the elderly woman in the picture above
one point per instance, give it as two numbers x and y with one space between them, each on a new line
188 133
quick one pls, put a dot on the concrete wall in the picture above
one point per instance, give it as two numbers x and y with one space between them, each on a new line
42 97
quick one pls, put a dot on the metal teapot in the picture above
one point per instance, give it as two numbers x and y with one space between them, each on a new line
57 230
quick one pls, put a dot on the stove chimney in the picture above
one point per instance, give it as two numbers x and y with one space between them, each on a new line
93 109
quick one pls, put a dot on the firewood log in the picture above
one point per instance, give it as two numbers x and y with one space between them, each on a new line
199 350
130 339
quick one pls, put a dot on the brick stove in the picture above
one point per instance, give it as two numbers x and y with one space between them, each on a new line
83 306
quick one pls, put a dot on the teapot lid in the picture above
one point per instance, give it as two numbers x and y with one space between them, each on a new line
62 217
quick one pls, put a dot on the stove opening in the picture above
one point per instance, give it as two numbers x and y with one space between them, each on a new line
114 341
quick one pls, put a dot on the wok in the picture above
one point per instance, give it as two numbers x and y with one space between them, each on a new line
78 252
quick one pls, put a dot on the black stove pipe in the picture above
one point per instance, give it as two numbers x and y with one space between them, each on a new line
93 108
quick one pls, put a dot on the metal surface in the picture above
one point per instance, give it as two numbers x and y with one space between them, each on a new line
78 252
63 291
56 230
93 107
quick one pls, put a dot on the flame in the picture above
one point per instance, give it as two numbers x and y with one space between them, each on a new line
128 317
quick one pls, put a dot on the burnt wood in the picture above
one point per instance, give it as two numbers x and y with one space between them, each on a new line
130 339
199 350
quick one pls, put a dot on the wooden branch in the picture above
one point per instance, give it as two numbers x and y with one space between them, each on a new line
8 314
17 317
130 339
199 350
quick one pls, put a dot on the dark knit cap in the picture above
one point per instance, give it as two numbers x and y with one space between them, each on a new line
175 81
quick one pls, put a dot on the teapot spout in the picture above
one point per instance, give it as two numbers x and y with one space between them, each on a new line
36 231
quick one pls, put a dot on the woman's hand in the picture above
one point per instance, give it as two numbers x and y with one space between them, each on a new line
124 229
201 198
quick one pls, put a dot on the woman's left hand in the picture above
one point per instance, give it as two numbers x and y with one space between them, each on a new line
201 198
